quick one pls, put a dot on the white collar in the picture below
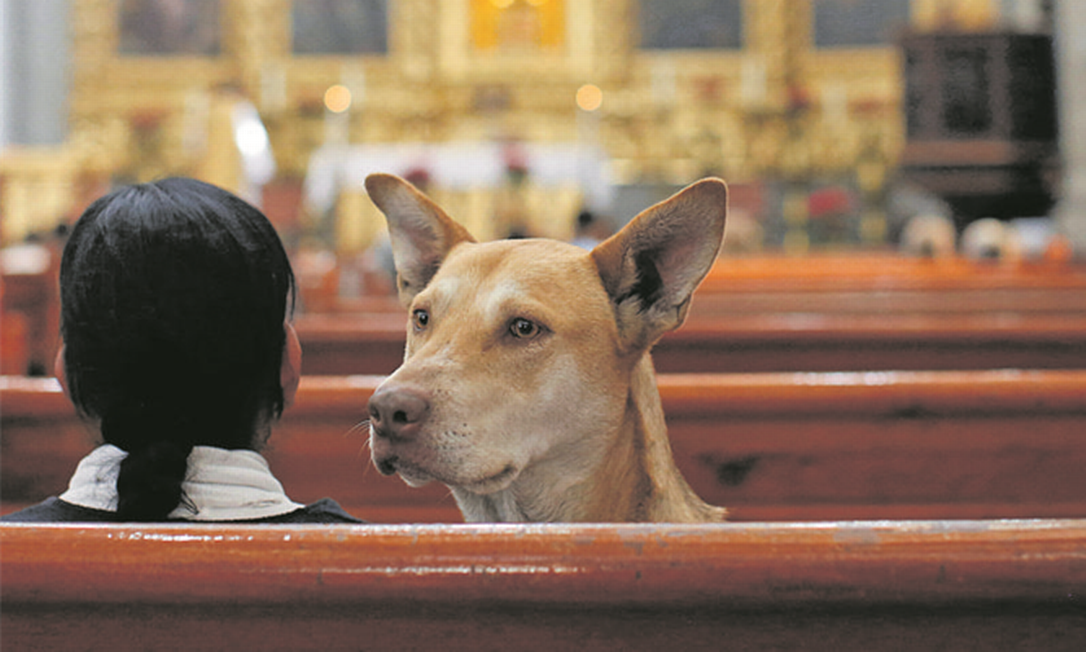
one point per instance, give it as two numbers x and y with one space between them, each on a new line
220 485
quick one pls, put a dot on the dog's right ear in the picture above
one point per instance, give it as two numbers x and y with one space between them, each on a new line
421 233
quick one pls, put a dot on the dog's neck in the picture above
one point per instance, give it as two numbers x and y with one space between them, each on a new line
630 477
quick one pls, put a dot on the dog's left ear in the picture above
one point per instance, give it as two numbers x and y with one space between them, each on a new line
653 265
421 233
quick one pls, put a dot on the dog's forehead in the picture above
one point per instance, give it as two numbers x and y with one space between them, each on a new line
510 269
528 261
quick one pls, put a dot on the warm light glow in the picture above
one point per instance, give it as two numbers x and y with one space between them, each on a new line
505 4
519 24
337 99
589 97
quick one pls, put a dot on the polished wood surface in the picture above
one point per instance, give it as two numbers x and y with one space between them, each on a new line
872 283
343 344
34 300
821 312
789 446
991 585
887 270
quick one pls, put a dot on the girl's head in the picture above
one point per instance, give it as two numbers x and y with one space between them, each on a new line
174 300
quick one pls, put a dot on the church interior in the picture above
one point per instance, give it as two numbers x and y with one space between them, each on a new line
866 145
882 376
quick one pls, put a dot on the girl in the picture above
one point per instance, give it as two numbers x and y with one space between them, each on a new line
175 302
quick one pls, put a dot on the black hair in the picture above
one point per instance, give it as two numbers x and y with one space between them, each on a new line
174 297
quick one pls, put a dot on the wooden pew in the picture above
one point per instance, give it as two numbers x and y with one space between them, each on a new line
885 270
786 447
880 301
30 298
864 301
14 343
820 342
865 283
373 344
885 283
767 313
946 585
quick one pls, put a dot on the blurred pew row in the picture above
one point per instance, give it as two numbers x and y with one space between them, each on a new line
779 446
767 313
931 399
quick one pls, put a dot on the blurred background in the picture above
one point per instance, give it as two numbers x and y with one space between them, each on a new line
835 122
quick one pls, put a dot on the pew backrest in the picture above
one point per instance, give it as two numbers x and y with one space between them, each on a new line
788 446
758 342
885 270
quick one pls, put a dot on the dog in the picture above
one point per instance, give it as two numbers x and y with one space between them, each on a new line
527 386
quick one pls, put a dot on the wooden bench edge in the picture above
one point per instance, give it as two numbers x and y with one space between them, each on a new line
877 562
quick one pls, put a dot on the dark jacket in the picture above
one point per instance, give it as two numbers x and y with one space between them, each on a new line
55 510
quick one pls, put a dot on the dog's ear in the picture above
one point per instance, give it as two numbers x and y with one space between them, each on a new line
421 233
652 266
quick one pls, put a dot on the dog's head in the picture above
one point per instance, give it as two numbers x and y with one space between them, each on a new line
520 351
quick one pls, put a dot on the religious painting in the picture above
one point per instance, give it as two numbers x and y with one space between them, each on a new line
340 27
518 25
691 24
170 28
858 23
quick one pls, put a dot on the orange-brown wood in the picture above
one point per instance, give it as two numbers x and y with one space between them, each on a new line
760 313
871 342
876 301
36 299
860 282
869 271
788 446
1005 585
14 339
885 270
865 301
756 342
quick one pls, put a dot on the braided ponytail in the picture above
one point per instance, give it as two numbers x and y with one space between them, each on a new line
149 484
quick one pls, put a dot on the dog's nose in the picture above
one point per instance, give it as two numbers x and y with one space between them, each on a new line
397 411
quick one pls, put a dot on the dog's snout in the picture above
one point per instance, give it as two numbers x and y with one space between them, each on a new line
397 412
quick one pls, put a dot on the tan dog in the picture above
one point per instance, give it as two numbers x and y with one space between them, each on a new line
526 386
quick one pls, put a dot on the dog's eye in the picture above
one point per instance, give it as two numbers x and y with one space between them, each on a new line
523 328
420 319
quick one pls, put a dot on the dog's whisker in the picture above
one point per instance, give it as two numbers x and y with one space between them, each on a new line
361 425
